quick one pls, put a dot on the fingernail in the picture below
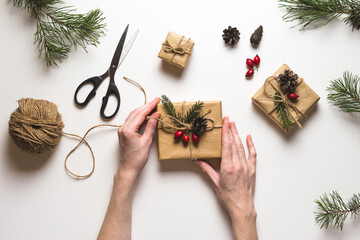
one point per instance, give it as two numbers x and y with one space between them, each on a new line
157 114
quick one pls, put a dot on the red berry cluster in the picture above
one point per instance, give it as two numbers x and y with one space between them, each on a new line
186 138
250 63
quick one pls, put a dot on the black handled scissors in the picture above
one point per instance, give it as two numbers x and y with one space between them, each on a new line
96 81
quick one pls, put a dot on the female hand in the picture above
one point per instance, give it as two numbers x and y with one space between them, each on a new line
134 148
235 183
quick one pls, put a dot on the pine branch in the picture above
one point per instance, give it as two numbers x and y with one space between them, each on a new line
168 106
282 114
193 112
345 92
332 210
317 13
59 29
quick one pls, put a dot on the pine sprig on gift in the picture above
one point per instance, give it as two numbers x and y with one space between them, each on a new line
59 29
317 13
332 210
282 114
193 112
345 92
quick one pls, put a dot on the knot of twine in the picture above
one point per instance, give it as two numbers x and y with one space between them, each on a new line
281 98
178 125
36 127
179 49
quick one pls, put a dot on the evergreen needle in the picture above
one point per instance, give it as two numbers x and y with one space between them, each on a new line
317 13
59 29
345 92
280 109
332 210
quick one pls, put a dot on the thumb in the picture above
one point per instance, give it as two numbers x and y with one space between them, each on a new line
150 127
209 171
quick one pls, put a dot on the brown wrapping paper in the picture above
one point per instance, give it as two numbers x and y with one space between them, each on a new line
176 50
306 101
209 146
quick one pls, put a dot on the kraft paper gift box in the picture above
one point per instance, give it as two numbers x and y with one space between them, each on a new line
209 145
176 50
264 99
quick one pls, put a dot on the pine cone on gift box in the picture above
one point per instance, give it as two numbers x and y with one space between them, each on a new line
231 36
199 124
288 81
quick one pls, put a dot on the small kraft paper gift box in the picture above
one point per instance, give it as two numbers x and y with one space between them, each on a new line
176 50
285 98
208 145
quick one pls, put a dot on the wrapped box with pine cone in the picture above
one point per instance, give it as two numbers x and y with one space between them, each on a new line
172 131
285 98
176 50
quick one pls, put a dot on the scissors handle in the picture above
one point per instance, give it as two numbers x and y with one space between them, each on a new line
95 81
112 89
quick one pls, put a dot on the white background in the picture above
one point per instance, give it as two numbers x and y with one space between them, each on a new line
38 200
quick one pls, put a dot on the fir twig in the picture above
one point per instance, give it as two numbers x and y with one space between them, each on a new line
193 112
317 13
345 92
332 210
59 29
281 112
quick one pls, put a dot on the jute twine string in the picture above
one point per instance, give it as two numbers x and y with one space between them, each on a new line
282 98
181 126
36 127
178 49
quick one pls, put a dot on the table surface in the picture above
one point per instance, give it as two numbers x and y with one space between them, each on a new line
174 200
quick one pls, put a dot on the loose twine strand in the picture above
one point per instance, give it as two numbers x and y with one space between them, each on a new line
281 99
82 139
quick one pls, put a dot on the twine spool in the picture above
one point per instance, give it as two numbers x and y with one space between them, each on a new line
36 125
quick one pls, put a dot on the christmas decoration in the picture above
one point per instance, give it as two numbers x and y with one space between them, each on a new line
257 60
317 13
250 63
59 29
256 36
332 210
345 93
201 123
249 73
271 99
288 81
178 134
293 96
176 50
231 36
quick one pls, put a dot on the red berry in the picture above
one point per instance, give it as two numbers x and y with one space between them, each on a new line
249 73
257 60
178 134
293 96
195 138
186 138
250 63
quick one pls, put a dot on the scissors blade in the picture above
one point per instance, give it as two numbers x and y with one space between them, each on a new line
128 46
117 54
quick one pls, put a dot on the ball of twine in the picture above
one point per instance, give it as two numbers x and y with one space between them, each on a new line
36 125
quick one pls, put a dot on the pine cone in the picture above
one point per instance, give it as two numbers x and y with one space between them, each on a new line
199 124
256 36
231 36
288 81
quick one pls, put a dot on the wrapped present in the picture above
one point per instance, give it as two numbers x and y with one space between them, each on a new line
285 98
176 50
208 144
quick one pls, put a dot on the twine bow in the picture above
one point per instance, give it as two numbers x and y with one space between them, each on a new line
281 98
176 50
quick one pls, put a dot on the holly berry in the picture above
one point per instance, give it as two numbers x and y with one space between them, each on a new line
178 134
293 96
257 60
250 63
186 138
249 73
195 138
